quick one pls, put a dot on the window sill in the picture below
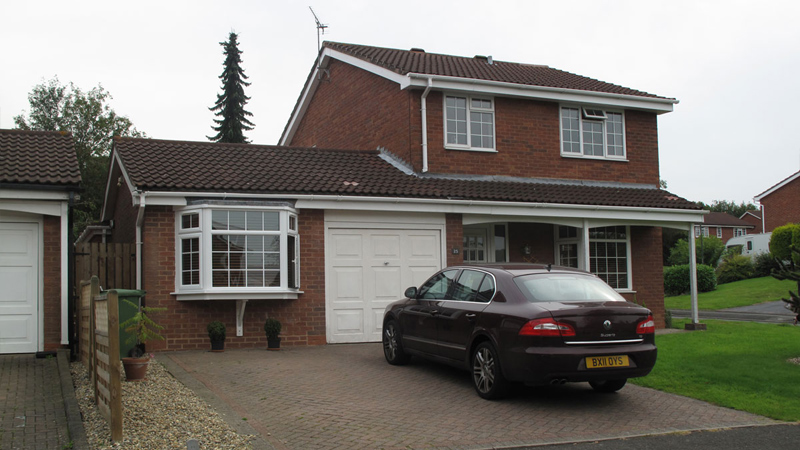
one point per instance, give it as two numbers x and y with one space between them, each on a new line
470 149
232 295
597 158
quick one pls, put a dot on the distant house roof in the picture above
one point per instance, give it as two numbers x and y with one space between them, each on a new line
779 185
38 158
752 212
177 166
479 68
721 219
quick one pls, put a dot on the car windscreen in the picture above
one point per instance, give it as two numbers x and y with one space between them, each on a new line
554 287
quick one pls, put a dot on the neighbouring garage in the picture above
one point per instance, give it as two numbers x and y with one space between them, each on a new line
19 295
369 265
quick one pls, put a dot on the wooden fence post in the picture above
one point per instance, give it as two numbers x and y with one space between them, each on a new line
115 378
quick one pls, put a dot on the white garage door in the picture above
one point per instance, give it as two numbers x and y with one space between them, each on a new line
19 319
369 268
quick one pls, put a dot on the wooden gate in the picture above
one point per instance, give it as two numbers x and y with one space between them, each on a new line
113 264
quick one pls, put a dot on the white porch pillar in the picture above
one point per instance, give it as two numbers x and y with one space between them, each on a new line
585 245
695 325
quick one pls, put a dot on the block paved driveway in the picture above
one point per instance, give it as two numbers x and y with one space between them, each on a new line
348 397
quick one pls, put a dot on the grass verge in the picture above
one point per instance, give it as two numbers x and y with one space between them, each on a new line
740 365
738 293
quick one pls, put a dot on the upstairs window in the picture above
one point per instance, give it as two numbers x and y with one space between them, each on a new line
469 123
592 132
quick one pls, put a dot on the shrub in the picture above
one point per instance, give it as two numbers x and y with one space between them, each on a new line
782 239
708 251
735 268
763 264
676 279
216 331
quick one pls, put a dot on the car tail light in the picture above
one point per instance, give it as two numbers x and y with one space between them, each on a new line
647 326
546 327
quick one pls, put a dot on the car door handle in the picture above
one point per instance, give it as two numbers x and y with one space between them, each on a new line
470 316
434 312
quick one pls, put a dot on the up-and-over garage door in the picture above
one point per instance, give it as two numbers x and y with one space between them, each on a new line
368 268
19 266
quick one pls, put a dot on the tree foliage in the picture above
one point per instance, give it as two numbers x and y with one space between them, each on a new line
93 124
782 240
708 251
233 119
731 207
788 272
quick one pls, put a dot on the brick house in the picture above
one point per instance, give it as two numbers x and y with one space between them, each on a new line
753 217
394 164
780 204
39 177
723 226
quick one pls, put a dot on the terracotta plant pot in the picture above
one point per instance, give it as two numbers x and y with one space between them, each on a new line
273 343
135 368
218 346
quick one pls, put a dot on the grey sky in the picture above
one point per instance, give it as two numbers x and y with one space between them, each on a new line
732 64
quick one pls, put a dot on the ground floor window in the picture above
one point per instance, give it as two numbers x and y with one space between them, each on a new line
609 256
488 243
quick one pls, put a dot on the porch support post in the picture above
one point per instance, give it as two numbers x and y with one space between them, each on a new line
695 325
240 304
585 245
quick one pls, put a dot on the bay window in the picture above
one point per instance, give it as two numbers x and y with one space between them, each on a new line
609 253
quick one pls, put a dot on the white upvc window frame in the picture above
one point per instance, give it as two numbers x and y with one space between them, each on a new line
590 116
469 109
719 232
628 265
582 259
205 290
739 231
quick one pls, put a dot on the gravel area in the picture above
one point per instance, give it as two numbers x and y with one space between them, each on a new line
159 413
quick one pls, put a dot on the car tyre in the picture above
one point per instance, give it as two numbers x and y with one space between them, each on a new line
393 344
487 375
608 386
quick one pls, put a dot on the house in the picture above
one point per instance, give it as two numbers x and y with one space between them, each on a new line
753 217
723 226
393 164
780 204
39 179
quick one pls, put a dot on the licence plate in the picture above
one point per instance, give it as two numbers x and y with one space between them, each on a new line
603 362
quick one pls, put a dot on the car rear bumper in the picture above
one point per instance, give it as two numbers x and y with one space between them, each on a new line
545 365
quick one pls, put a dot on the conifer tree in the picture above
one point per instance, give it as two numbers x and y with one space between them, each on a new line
230 103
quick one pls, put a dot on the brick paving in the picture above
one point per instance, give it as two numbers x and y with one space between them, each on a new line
32 406
348 397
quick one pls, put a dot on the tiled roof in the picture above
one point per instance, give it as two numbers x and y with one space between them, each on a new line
407 61
724 219
159 165
38 157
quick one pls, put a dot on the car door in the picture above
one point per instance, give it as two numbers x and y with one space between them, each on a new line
457 316
418 318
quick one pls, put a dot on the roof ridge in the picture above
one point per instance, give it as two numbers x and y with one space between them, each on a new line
228 144
20 131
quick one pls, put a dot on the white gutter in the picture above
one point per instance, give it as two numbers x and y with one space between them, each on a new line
139 222
424 110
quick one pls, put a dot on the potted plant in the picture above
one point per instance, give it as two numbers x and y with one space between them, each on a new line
272 327
142 329
216 333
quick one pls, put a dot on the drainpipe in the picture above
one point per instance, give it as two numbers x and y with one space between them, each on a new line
139 221
763 219
425 125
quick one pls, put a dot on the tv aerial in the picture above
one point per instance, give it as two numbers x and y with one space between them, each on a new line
320 27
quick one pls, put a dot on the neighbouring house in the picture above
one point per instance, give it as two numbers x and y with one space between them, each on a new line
753 217
394 164
780 204
39 177
723 226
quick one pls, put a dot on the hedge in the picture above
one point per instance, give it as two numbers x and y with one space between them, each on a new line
676 279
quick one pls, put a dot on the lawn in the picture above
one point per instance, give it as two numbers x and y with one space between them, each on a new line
738 293
740 365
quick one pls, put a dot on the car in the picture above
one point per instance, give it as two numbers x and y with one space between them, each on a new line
522 323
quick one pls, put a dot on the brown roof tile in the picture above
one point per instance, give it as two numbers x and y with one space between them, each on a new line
406 61
246 168
724 219
38 157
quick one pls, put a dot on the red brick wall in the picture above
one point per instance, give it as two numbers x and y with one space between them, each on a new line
752 220
648 271
359 110
185 322
539 236
782 206
52 282
454 227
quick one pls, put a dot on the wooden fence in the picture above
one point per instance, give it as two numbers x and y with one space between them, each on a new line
113 264
99 328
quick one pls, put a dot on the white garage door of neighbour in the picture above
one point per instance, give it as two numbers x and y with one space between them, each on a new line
19 252
370 268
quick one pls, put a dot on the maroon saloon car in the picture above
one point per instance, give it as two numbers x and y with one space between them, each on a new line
532 324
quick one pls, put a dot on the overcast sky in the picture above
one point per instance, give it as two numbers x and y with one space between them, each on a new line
733 65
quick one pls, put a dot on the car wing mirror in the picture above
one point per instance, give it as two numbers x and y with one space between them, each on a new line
411 292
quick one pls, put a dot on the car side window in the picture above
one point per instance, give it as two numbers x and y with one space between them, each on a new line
468 285
486 291
437 286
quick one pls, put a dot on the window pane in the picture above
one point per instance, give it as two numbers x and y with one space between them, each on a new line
219 220
272 243
236 220
486 291
500 243
272 221
272 278
292 263
466 288
255 220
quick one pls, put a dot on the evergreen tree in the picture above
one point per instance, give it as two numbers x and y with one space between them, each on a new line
786 272
230 103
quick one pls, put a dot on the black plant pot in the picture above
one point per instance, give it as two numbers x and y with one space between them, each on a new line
218 346
273 343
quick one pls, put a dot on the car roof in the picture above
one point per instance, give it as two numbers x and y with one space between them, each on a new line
518 269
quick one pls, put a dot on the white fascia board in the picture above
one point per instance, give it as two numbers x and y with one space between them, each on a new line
776 187
33 194
45 207
131 188
496 88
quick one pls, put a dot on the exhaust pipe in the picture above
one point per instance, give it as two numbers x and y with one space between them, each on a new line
556 381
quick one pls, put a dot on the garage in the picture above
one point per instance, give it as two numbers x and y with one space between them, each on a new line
368 268
19 267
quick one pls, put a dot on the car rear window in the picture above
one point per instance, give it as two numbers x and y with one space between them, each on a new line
565 288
